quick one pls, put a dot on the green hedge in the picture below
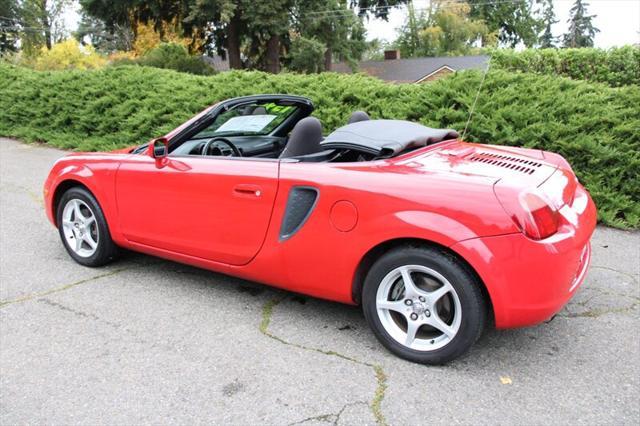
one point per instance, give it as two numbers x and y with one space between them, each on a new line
616 66
593 125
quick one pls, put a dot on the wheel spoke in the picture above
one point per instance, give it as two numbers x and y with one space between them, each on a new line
410 288
412 329
436 322
88 221
76 211
89 240
67 224
78 243
397 306
436 295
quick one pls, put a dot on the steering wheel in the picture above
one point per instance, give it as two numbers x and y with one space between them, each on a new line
212 147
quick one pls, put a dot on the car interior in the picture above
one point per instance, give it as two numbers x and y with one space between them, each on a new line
284 129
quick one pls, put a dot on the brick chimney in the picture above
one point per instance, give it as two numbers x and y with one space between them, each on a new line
390 55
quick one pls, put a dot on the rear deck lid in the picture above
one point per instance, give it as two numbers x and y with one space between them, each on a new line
522 166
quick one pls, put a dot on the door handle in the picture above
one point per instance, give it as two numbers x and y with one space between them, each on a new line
247 190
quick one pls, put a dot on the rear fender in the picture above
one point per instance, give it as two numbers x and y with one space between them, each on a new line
424 225
409 227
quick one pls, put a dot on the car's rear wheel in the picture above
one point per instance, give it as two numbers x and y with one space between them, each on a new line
83 228
423 304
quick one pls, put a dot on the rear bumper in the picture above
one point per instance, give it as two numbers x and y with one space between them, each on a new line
530 281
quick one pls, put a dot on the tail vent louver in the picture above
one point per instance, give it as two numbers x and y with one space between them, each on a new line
521 165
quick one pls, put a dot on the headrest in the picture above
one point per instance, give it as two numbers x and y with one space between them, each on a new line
358 116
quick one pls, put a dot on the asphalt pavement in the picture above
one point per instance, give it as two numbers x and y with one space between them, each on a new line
148 341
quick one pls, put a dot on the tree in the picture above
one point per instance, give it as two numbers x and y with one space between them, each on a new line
247 31
547 40
581 29
268 23
252 34
9 26
332 23
408 40
220 24
307 55
119 37
43 23
513 21
444 29
120 20
377 8
116 12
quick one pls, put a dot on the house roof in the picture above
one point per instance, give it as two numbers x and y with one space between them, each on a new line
413 69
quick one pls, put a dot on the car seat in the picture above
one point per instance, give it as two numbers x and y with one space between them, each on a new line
358 116
305 138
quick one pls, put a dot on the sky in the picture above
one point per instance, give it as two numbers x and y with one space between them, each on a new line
617 20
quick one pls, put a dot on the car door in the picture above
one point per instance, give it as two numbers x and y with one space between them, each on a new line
215 208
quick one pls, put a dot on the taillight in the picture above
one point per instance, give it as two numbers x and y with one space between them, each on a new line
539 219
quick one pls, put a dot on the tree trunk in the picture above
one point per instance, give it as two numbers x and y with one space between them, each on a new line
46 24
47 36
233 43
328 59
273 55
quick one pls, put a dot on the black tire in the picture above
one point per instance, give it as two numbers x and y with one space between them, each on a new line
106 250
474 309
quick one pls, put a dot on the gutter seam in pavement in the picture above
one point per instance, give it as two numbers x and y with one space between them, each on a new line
38 295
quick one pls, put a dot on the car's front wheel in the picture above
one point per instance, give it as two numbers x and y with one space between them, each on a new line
83 228
423 304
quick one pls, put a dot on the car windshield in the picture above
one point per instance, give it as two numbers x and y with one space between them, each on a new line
248 119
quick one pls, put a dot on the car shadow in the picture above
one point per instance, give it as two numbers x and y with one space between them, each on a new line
320 324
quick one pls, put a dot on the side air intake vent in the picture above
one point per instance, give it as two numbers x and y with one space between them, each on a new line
300 204
506 161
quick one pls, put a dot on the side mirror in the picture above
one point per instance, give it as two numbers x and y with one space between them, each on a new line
158 148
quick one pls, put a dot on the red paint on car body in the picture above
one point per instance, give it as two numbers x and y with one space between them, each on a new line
344 215
224 214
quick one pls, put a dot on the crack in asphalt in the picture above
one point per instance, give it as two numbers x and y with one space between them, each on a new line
77 312
171 347
381 377
607 268
594 312
597 313
332 418
42 294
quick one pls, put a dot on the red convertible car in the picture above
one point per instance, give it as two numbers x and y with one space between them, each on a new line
435 238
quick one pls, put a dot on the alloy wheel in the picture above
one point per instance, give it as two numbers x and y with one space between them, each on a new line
80 228
418 307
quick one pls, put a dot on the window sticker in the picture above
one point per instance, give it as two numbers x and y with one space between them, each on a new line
246 123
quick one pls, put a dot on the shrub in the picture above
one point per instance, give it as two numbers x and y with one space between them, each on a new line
596 127
170 56
616 66
68 54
